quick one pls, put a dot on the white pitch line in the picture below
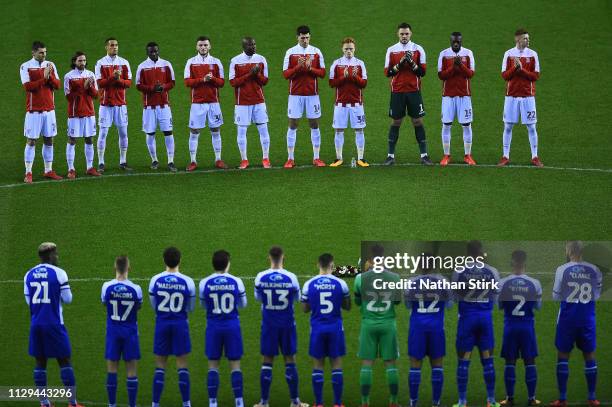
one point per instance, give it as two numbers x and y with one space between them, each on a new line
198 278
216 170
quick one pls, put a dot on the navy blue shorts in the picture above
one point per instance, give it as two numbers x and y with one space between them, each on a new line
122 341
583 336
171 338
273 338
423 343
49 341
220 339
327 343
519 341
475 329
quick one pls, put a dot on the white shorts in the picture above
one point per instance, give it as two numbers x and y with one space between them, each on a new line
343 113
297 104
153 116
40 124
523 107
457 106
110 115
205 112
82 126
247 114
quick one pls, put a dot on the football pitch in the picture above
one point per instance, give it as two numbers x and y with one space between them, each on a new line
307 210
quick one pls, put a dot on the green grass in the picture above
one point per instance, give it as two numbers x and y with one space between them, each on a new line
308 211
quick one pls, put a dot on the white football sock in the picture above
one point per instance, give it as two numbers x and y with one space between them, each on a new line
123 144
152 146
47 153
264 139
216 143
507 138
291 139
315 138
89 155
242 142
102 144
360 142
339 143
70 156
28 157
533 139
169 140
446 138
467 139
193 145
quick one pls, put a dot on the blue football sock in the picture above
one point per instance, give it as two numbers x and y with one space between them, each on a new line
213 384
158 384
590 372
111 388
414 381
338 385
265 381
317 385
488 373
184 386
437 381
531 379
291 374
510 379
237 383
132 390
67 375
562 376
40 380
462 380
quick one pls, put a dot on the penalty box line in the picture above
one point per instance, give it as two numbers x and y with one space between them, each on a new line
300 167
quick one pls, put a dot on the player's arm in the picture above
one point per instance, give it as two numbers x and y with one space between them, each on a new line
188 80
529 75
262 76
289 72
125 80
256 287
65 293
508 69
359 81
538 304
390 70
140 85
26 291
102 82
192 295
202 290
468 71
419 68
318 72
346 300
29 85
53 81
170 82
304 298
237 81
335 81
139 297
152 298
92 90
242 297
557 289
218 81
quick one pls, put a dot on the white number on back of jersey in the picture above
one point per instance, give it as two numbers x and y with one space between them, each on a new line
115 315
481 297
323 300
282 298
582 293
384 300
517 311
40 286
431 308
171 302
224 304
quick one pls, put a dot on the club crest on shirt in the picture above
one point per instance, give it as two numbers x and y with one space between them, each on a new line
323 280
171 279
276 277
220 280
120 288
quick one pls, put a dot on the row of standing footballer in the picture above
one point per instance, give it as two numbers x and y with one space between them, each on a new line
405 65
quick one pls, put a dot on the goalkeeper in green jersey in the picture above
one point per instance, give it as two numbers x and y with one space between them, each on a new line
378 336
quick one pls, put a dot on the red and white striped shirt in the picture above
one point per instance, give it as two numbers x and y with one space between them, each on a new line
39 91
303 81
248 88
456 78
195 71
405 80
112 91
80 100
151 73
521 82
349 89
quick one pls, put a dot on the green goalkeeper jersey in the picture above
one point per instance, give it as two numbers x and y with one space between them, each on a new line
376 304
